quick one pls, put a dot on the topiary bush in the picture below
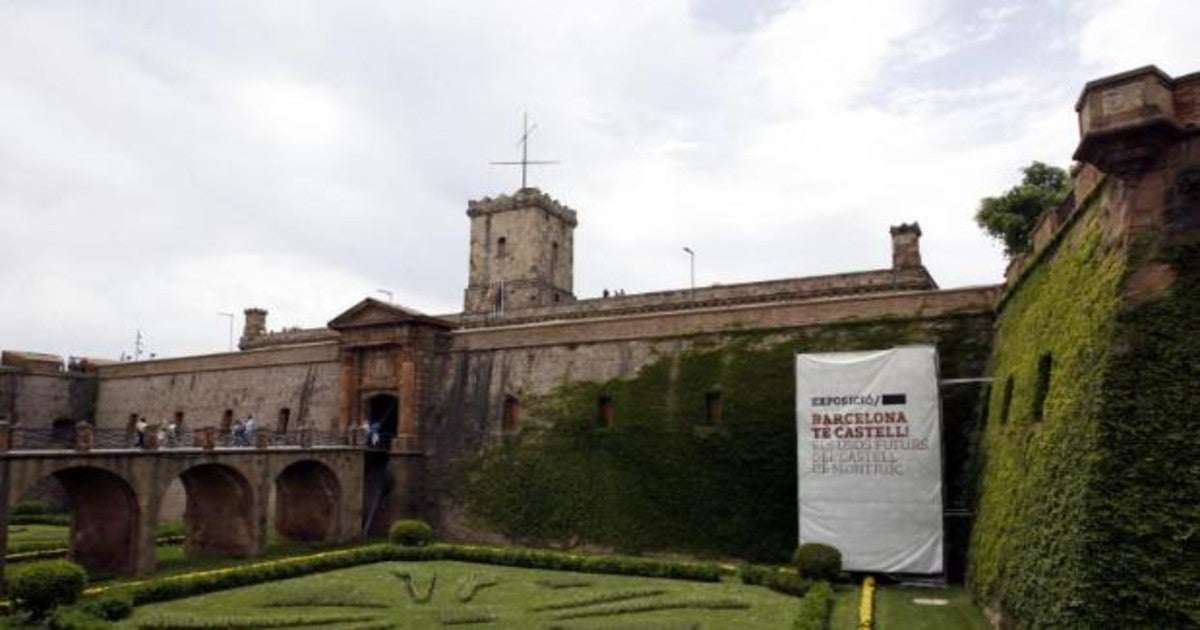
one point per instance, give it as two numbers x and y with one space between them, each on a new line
38 587
410 533
818 561
112 606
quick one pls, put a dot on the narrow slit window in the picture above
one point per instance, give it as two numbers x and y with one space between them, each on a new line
227 421
712 407
1042 387
285 416
1006 401
605 416
511 416
501 247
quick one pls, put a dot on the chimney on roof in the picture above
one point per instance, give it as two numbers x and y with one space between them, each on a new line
906 246
256 324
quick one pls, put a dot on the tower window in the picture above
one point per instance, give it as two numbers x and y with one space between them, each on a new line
179 421
501 247
285 416
227 421
553 260
605 417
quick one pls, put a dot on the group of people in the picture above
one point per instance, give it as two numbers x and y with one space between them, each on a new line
371 433
167 434
243 431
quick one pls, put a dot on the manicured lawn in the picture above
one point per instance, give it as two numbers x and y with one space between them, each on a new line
845 607
520 598
895 609
22 538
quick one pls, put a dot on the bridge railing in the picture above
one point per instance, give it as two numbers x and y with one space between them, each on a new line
85 437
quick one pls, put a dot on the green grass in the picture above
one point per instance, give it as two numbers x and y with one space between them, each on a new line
39 537
517 600
22 538
895 610
845 607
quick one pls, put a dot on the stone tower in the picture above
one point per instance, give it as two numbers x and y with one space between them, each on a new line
522 249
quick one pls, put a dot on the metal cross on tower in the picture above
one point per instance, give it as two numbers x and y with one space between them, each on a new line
525 161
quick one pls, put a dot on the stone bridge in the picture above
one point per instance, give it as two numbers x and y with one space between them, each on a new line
308 493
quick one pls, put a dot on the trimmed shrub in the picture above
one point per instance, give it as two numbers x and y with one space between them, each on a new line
815 608
410 533
818 561
30 507
774 579
113 606
38 587
75 618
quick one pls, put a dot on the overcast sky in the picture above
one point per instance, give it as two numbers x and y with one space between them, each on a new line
161 162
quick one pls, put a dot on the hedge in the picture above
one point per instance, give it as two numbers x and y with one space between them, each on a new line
815 608
175 587
774 579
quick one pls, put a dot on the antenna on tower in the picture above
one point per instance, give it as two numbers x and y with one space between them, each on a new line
525 162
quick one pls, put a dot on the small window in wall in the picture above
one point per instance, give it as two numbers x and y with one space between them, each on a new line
553 260
178 422
510 420
501 247
285 416
227 421
605 416
1042 386
1006 401
131 425
712 407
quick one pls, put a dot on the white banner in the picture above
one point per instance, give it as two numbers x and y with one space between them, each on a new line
869 439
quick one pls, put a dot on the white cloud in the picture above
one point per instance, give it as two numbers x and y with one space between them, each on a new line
1124 34
160 165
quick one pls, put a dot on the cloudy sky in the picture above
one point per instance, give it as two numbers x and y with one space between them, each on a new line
161 162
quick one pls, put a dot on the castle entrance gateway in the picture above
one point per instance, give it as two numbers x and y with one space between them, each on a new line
386 352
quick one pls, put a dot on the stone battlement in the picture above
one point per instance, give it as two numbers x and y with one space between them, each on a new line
524 198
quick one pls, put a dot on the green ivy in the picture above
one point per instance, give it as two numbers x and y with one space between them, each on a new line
1085 516
661 477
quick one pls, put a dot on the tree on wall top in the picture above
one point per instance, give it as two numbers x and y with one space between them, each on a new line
1010 217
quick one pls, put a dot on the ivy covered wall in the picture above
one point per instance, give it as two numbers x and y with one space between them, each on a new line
667 474
1087 505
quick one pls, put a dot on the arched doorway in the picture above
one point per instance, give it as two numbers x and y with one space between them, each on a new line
219 512
105 516
383 411
308 501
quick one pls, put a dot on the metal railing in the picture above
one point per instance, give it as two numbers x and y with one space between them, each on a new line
83 437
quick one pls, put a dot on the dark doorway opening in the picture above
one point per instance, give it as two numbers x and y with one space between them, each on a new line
383 414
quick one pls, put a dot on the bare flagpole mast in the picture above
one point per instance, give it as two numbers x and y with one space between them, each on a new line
524 144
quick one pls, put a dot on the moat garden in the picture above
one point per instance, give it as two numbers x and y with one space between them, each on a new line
411 581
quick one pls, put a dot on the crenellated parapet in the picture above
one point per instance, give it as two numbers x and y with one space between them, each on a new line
523 198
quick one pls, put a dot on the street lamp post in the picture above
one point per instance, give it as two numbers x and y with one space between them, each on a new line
230 316
692 258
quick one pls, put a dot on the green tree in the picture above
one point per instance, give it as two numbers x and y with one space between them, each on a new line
1010 217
